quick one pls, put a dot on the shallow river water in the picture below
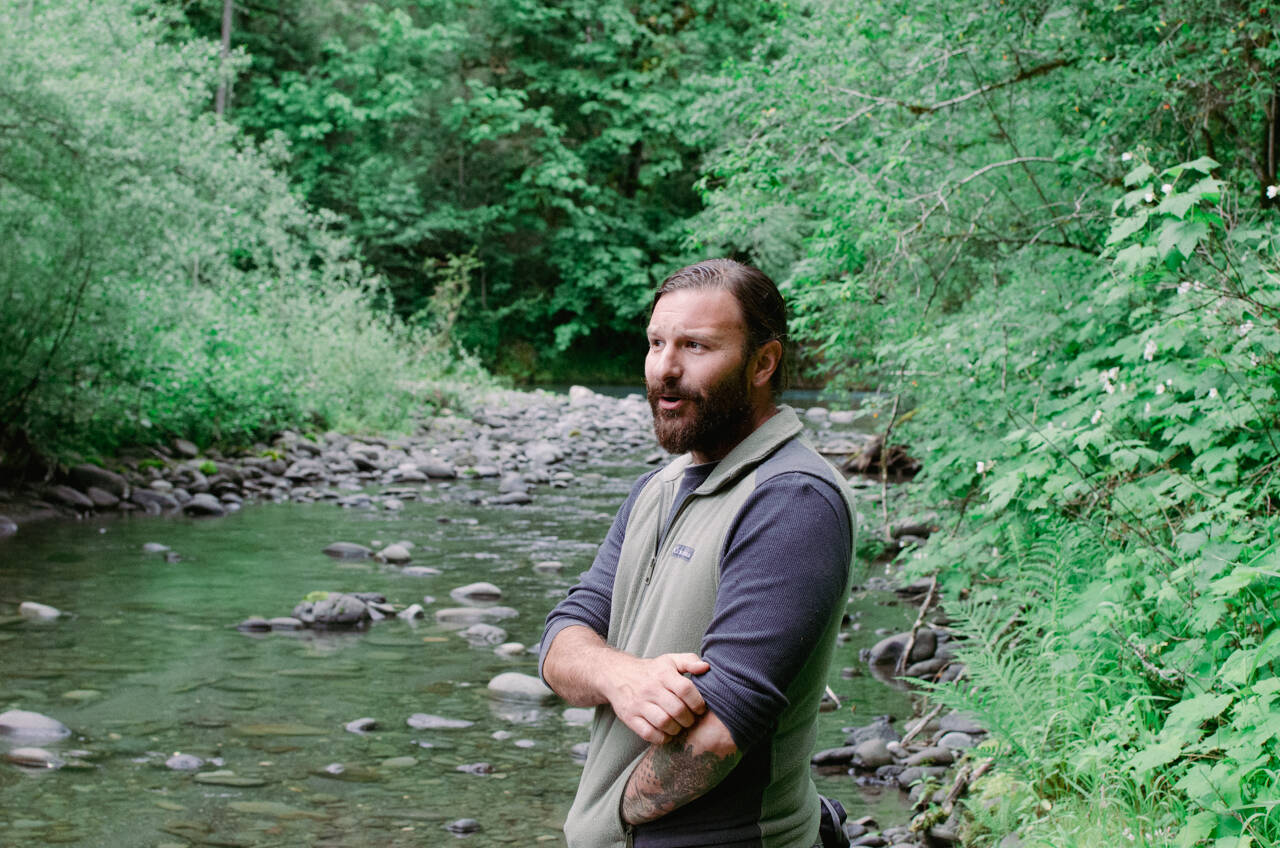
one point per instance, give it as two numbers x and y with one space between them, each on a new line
148 664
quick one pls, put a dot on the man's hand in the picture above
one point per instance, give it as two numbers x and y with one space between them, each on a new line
650 696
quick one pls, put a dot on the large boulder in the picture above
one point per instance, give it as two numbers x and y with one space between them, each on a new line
86 475
337 610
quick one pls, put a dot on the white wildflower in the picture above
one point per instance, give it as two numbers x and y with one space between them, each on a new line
1244 328
1097 416
1167 188
1114 373
1126 156
1184 287
1149 197
1169 382
1272 191
1108 387
947 346
1253 359
1147 409
1159 388
982 467
1213 391
1149 352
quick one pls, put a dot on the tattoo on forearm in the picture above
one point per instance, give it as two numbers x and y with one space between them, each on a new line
670 776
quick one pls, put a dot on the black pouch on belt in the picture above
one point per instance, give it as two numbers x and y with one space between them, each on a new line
831 828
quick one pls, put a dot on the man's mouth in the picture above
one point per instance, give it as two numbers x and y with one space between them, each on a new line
670 403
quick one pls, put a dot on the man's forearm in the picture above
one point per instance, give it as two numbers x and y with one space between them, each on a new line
676 772
573 665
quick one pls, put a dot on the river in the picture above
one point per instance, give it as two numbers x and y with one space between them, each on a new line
147 663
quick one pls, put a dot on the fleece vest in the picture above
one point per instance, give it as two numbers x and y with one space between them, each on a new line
664 596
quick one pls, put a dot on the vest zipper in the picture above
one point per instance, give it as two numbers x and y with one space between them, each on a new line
657 548
653 563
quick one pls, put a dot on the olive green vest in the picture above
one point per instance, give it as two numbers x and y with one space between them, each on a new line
662 603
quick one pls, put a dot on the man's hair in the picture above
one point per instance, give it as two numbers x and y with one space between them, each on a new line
763 309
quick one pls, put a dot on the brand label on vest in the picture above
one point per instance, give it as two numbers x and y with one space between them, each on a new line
682 552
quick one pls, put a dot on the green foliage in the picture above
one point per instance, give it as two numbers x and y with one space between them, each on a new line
159 277
549 141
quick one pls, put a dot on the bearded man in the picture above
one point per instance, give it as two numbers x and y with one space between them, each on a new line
704 629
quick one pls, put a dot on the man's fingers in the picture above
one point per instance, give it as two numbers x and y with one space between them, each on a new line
646 731
690 664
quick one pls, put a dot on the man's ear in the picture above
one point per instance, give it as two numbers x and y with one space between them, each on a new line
767 360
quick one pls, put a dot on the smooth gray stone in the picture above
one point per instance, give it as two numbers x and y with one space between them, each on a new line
361 725
872 754
102 499
347 550
483 635
466 616
515 686
34 758
85 475
426 721
26 726
68 496
285 622
513 499
204 504
960 723
395 554
957 740
933 756
154 548
887 650
419 571
7 526
153 501
476 592
185 449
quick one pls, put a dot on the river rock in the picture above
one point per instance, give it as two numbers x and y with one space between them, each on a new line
85 475
7 526
394 554
932 756
225 777
510 649
437 469
513 499
426 721
543 453
887 650
463 826
102 499
153 501
834 756
254 624
872 754
204 504
476 592
842 416
482 635
34 758
38 612
515 686
957 740
961 723
411 612
466 616
513 483
582 396
184 762
347 550
880 728
548 566
154 548
475 768
285 622
339 610
361 725
67 496
31 727
185 448
420 571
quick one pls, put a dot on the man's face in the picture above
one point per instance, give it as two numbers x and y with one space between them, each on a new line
696 373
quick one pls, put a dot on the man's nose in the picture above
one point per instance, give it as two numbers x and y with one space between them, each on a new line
666 363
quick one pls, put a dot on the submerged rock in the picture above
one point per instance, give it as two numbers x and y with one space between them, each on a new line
347 550
426 721
39 612
34 758
31 727
476 592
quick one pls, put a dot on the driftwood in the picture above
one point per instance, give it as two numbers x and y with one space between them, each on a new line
915 628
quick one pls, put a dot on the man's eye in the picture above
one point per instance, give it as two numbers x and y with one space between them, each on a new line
694 345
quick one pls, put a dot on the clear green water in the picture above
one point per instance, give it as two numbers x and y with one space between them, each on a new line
148 664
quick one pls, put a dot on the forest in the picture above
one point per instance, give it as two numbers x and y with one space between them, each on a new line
1045 227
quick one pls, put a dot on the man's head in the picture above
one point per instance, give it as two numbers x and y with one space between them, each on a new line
716 344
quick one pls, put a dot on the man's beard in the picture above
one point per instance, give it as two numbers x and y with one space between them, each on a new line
711 422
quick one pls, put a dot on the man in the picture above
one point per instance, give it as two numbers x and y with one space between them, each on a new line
704 628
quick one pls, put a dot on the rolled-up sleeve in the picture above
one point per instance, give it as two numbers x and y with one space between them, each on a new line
783 575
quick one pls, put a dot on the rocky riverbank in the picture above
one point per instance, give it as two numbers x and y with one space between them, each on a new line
511 450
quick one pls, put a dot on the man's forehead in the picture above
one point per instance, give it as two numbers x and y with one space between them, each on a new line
710 310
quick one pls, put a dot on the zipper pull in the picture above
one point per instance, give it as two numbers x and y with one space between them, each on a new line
653 562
